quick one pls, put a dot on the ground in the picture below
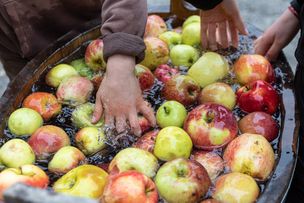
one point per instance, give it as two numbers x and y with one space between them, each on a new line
260 13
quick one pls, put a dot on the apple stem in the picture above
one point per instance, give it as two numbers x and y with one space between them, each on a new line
166 110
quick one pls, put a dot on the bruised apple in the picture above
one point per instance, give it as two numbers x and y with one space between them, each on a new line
147 141
164 72
144 76
94 55
155 26
59 73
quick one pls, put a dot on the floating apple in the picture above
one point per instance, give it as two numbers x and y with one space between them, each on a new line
130 186
191 34
90 140
147 141
171 113
211 126
65 159
134 159
209 68
44 103
30 175
82 68
182 180
219 93
184 55
181 88
249 68
258 96
171 143
47 140
84 181
94 55
192 19
58 73
74 91
145 77
16 153
171 38
155 26
260 123
250 154
244 188
157 53
164 72
24 121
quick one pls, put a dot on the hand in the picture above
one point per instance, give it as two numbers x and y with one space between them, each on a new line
277 36
119 96
221 24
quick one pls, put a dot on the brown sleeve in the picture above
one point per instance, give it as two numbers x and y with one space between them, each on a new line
123 27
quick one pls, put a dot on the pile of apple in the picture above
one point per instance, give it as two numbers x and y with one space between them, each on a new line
200 149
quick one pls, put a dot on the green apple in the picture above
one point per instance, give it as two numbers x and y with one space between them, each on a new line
192 19
134 159
171 113
16 153
58 73
191 34
24 121
184 55
82 68
171 38
209 68
171 143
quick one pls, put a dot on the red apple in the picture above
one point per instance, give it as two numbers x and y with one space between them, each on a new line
147 141
44 103
211 126
129 187
260 123
181 88
258 96
155 26
47 140
249 68
145 77
164 72
30 175
251 154
94 55
143 123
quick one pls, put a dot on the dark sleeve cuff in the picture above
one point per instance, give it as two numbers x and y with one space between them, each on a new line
297 5
125 44
205 4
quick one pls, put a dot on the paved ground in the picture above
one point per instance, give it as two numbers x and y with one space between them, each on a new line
261 13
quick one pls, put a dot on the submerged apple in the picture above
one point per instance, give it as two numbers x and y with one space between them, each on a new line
144 76
82 68
164 72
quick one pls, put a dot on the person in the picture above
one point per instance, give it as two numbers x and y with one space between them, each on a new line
26 27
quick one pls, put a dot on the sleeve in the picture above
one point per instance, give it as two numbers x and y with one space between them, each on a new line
297 5
205 4
123 27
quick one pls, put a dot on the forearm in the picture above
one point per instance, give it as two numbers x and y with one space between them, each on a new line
205 4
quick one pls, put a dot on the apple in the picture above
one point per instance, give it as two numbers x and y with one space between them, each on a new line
97 79
209 68
134 159
156 53
210 201
258 96
155 26
65 159
30 175
44 103
83 181
184 55
90 140
171 113
164 72
171 38
219 93
94 55
249 68
181 88
211 126
58 73
144 76
211 161
147 141
47 140
251 154
191 34
130 186
260 123
82 116
82 68
182 180
171 143
16 153
143 123
192 19
24 121
236 187
74 91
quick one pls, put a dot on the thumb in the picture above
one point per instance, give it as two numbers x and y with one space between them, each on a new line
98 110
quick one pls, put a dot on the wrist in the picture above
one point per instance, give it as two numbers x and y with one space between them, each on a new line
120 66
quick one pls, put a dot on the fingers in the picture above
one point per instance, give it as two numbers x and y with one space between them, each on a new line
133 120
212 36
121 124
98 110
109 119
204 37
239 24
148 113
261 46
273 52
222 26
233 35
